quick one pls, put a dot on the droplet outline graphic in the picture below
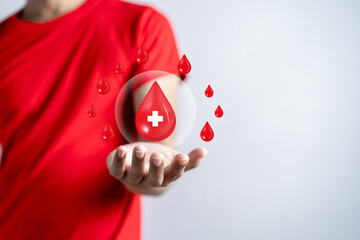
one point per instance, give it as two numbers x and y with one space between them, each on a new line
146 107
184 66
209 92
142 55
103 86
91 111
107 133
119 69
207 133
219 112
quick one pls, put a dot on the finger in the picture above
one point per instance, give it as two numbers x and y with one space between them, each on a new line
117 168
176 168
109 159
138 166
195 158
156 171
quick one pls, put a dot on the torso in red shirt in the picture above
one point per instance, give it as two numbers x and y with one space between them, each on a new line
54 183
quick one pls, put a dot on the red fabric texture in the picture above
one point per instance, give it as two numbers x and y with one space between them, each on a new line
54 183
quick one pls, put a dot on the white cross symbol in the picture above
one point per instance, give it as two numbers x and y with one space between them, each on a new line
155 118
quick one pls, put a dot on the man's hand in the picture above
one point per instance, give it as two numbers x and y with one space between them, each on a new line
150 168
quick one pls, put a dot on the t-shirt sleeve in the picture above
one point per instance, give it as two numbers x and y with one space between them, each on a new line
155 34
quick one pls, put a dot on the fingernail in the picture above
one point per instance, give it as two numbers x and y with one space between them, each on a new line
157 162
121 152
139 154
183 161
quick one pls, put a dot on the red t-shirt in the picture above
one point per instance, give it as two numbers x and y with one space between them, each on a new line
54 183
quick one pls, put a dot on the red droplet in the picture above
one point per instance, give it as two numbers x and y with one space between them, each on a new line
184 65
219 112
103 86
119 69
207 134
92 111
107 133
141 55
209 92
155 119
182 76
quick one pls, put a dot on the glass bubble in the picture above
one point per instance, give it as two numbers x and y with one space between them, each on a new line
180 98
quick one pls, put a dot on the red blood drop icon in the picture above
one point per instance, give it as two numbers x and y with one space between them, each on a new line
155 119
103 86
207 134
219 112
119 69
92 111
209 92
184 65
107 133
141 55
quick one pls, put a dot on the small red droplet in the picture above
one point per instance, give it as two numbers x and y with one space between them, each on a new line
107 133
219 112
182 76
92 111
184 65
155 119
207 134
103 86
141 55
209 91
119 69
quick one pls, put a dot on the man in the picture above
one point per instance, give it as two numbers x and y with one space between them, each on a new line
54 182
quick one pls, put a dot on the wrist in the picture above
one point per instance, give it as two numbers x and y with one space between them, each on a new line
152 191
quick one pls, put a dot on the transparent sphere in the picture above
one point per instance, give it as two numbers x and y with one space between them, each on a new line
153 118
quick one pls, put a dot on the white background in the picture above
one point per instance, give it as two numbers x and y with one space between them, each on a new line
285 160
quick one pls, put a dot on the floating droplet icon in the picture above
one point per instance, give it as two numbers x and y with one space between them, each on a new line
155 119
207 134
209 91
103 86
119 69
141 55
219 112
184 65
107 133
92 111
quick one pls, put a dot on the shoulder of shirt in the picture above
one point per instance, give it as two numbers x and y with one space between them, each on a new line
135 11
